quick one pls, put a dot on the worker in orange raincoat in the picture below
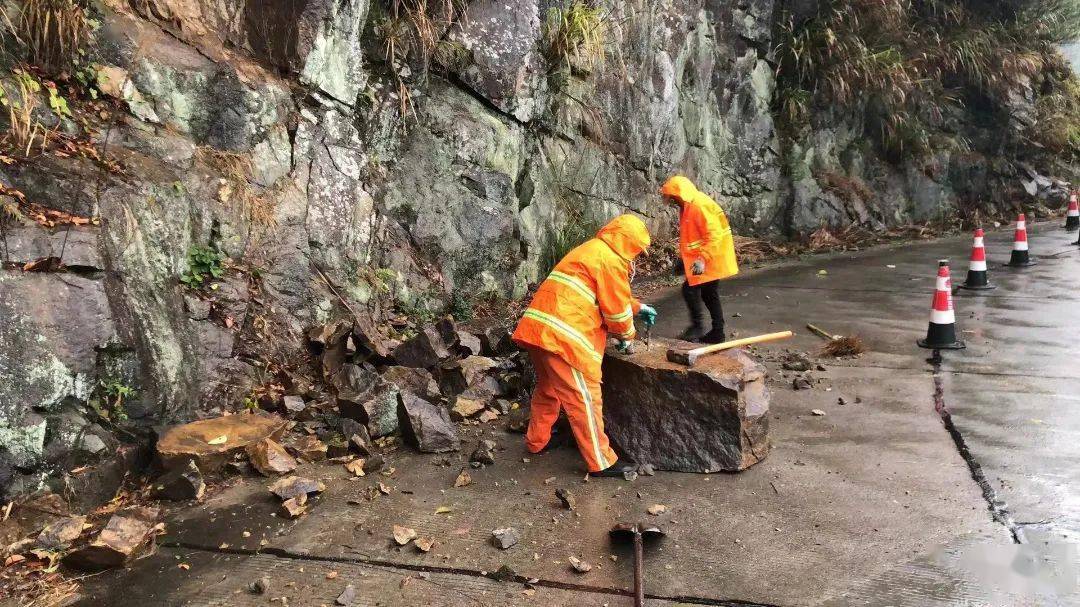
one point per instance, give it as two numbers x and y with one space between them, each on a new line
707 249
565 330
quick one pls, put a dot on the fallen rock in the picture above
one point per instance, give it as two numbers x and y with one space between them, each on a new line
803 382
709 418
567 498
260 586
463 479
123 535
424 350
579 565
476 374
646 470
370 340
60 534
270 458
292 486
409 379
657 509
293 404
329 344
797 361
210 443
504 538
295 507
424 544
357 436
346 597
363 395
309 448
488 415
495 341
818 412
484 453
468 344
505 573
517 421
404 535
373 464
182 483
467 405
426 426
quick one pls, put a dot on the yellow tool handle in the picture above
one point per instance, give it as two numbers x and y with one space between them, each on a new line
735 343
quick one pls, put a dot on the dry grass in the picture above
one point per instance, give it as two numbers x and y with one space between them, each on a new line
53 31
235 185
848 345
577 30
24 132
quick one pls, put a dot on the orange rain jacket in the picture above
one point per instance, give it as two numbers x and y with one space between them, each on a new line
585 296
704 232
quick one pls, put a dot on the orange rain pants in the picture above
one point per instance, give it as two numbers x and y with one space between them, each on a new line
560 386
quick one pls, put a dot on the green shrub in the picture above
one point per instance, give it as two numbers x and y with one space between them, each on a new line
203 263
578 29
575 231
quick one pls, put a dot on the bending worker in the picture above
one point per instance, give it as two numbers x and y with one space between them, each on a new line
565 330
707 249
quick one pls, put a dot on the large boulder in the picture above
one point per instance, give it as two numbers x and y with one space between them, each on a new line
710 418
210 443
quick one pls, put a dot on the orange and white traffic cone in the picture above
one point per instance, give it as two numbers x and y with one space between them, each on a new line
977 278
1072 217
941 334
1020 257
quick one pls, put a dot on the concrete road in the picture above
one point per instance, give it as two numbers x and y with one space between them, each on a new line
954 484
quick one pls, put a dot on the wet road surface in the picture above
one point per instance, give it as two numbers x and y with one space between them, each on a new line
875 503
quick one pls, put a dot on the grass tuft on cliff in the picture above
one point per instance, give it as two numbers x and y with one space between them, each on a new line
910 65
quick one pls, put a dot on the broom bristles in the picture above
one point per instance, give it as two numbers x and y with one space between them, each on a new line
848 345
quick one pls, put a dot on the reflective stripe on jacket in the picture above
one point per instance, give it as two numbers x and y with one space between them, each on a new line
587 296
704 233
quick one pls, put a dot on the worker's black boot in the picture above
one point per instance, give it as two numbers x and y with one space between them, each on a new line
616 470
715 336
692 297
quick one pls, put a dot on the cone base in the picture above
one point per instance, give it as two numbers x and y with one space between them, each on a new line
956 345
1021 264
1072 228
985 287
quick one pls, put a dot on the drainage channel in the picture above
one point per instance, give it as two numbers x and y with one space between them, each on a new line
285 554
998 509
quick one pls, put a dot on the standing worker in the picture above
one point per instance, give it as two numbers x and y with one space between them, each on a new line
707 249
565 329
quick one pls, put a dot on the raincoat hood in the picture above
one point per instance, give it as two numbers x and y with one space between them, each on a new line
626 235
679 187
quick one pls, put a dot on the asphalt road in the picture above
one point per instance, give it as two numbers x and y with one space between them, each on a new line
949 484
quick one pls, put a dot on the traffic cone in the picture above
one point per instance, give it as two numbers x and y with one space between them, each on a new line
977 278
1020 257
941 334
1072 218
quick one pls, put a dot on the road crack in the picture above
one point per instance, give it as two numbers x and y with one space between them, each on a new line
373 562
998 509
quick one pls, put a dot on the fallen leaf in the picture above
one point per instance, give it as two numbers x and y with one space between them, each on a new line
221 440
443 510
331 575
384 489
13 559
463 479
817 412
184 566
356 466
657 509
403 535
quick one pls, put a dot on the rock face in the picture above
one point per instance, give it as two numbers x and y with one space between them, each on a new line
182 483
711 418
